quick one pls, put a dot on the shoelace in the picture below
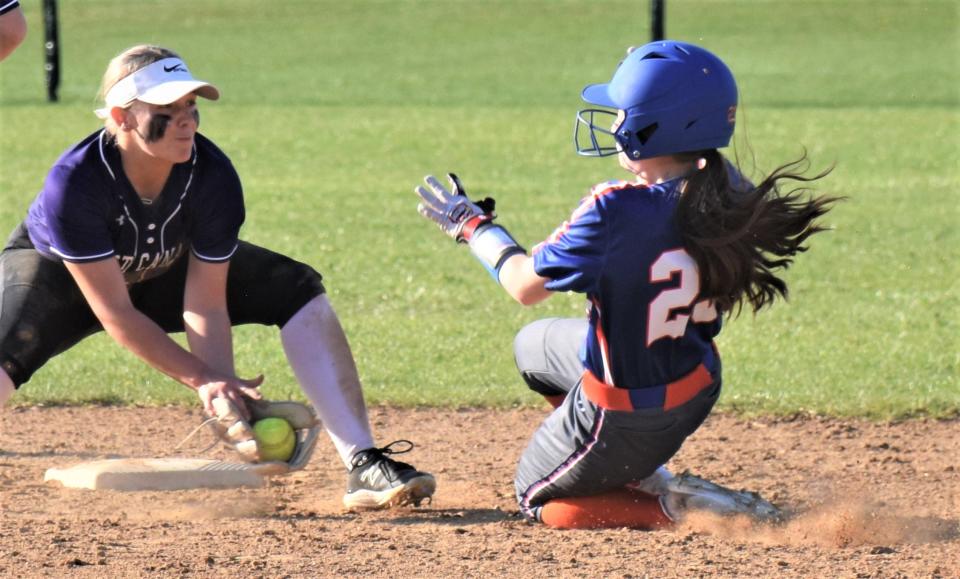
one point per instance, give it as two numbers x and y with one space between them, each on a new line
366 456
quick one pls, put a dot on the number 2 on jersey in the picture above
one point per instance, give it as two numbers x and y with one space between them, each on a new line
660 322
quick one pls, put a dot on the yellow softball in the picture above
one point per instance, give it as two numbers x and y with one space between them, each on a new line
275 438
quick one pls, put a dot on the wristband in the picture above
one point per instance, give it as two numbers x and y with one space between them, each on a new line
492 244
472 225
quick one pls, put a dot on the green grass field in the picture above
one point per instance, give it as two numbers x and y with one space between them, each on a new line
333 112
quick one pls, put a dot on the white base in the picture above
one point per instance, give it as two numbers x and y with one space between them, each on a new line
161 474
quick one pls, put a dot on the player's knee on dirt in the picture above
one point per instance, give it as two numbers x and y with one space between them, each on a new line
610 510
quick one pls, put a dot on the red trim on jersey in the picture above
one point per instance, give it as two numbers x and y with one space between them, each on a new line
602 342
596 193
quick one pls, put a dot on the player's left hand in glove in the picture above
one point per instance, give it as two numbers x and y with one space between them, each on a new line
467 221
235 430
453 211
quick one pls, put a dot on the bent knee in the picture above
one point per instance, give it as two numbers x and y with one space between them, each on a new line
303 290
529 347
269 288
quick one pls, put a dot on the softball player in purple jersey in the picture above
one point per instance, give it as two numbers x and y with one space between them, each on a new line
660 259
136 232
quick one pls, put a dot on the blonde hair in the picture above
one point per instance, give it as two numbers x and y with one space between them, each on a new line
126 63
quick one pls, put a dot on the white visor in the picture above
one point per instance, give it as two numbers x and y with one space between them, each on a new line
159 83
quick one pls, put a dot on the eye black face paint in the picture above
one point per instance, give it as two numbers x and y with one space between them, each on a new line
196 116
157 127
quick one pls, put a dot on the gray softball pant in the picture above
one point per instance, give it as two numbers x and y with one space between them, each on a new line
583 449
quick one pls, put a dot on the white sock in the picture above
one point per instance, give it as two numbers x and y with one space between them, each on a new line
320 357
655 484
6 388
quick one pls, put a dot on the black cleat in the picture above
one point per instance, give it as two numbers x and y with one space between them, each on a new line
377 481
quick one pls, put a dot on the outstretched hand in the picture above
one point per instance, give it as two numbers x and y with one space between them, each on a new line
453 211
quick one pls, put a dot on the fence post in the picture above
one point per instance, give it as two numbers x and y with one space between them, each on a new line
51 48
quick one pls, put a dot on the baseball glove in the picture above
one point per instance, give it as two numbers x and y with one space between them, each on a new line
237 433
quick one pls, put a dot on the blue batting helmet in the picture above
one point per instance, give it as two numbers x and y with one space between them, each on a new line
675 97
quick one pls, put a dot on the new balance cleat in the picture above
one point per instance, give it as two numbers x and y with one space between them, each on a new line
688 493
377 481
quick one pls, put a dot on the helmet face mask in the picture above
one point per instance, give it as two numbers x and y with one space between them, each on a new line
674 98
586 140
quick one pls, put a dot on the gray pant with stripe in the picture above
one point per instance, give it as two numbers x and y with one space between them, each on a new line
582 449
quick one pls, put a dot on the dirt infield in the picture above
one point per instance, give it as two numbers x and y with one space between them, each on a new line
867 500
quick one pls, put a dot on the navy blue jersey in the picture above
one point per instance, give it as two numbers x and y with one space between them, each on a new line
88 210
621 248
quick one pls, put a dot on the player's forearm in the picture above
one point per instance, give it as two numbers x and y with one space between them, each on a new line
210 336
13 30
143 337
519 279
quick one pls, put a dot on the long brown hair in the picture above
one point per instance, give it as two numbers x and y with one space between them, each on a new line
741 235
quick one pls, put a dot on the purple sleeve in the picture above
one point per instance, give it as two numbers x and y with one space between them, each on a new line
573 256
76 215
218 214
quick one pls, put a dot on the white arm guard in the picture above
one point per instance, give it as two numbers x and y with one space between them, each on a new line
492 244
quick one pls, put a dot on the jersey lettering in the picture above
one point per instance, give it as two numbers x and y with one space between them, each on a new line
148 265
662 320
125 262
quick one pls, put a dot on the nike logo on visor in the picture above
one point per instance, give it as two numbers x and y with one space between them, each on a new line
174 68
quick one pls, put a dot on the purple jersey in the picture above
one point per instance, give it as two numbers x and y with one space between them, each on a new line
88 210
621 247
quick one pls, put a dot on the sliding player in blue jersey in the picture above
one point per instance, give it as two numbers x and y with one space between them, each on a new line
660 258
